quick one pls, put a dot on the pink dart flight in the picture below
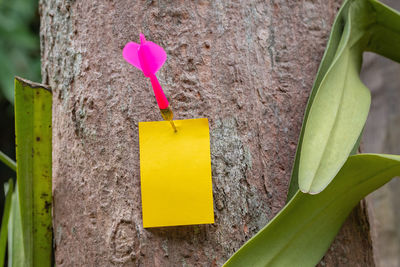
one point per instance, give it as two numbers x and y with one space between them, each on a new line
149 58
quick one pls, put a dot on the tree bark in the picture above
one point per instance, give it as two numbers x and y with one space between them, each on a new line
248 66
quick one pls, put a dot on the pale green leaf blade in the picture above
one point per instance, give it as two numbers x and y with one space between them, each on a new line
372 27
16 255
8 161
336 119
327 59
33 139
304 229
9 188
339 110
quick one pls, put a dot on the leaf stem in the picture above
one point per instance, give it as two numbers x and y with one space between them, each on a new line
8 161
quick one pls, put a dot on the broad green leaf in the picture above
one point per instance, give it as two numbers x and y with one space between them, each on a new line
33 140
385 34
16 256
8 189
330 51
304 229
339 103
8 161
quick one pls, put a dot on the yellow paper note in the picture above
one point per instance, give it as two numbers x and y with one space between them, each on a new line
175 170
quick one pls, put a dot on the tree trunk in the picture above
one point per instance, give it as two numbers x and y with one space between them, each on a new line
248 66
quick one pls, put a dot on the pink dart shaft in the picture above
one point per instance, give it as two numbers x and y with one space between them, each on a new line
159 93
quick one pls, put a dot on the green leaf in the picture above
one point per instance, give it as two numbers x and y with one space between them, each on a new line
33 138
8 161
8 189
330 51
385 34
339 103
304 229
16 255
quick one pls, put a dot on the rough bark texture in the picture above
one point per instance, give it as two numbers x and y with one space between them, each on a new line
248 66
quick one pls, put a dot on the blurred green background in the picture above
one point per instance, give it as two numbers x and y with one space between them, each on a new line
19 55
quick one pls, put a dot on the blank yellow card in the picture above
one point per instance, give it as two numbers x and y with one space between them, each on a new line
175 171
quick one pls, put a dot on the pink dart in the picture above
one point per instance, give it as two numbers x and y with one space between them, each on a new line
149 58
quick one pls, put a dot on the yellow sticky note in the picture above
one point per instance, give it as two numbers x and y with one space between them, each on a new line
175 173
